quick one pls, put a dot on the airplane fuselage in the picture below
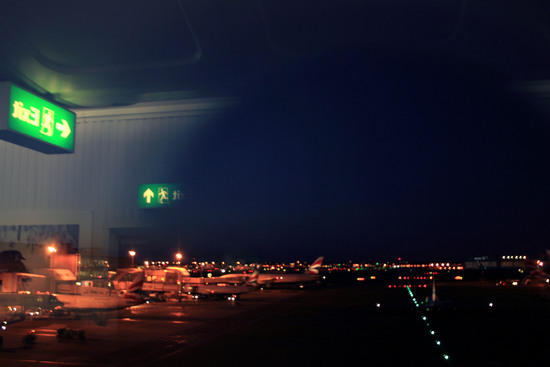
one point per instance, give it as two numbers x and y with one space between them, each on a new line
276 278
222 289
77 302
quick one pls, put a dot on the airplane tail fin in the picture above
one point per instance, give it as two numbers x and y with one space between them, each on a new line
536 277
137 284
314 268
253 280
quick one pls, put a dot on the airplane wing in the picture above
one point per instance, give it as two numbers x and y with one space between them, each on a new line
29 275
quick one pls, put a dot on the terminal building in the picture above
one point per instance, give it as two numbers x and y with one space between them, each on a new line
88 200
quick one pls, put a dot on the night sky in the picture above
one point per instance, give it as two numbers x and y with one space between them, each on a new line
367 156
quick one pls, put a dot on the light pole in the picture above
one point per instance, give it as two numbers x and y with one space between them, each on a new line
132 253
51 249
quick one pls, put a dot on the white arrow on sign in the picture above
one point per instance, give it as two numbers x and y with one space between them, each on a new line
64 128
148 194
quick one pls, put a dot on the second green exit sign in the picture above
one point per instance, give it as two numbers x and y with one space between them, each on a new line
159 195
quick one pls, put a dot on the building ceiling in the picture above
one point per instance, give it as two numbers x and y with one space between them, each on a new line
105 53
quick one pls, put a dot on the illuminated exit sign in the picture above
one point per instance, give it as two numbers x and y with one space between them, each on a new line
159 195
34 122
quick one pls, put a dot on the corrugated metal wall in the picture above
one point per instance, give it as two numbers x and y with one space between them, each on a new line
112 156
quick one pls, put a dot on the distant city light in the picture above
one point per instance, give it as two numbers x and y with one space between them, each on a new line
52 249
491 304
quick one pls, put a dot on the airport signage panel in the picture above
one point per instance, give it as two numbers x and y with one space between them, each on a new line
160 195
29 120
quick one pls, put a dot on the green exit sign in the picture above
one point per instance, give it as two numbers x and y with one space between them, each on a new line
34 122
159 195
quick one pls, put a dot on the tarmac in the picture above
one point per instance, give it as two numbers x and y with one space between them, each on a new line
333 325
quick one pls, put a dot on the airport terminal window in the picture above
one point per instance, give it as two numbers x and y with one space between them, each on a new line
274 183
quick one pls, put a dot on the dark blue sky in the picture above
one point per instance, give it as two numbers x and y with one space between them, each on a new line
360 157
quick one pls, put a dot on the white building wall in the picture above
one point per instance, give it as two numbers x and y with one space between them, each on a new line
116 149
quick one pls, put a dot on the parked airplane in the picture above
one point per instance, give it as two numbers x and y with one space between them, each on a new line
311 275
96 299
225 289
268 279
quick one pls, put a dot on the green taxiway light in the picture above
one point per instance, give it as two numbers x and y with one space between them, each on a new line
29 120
